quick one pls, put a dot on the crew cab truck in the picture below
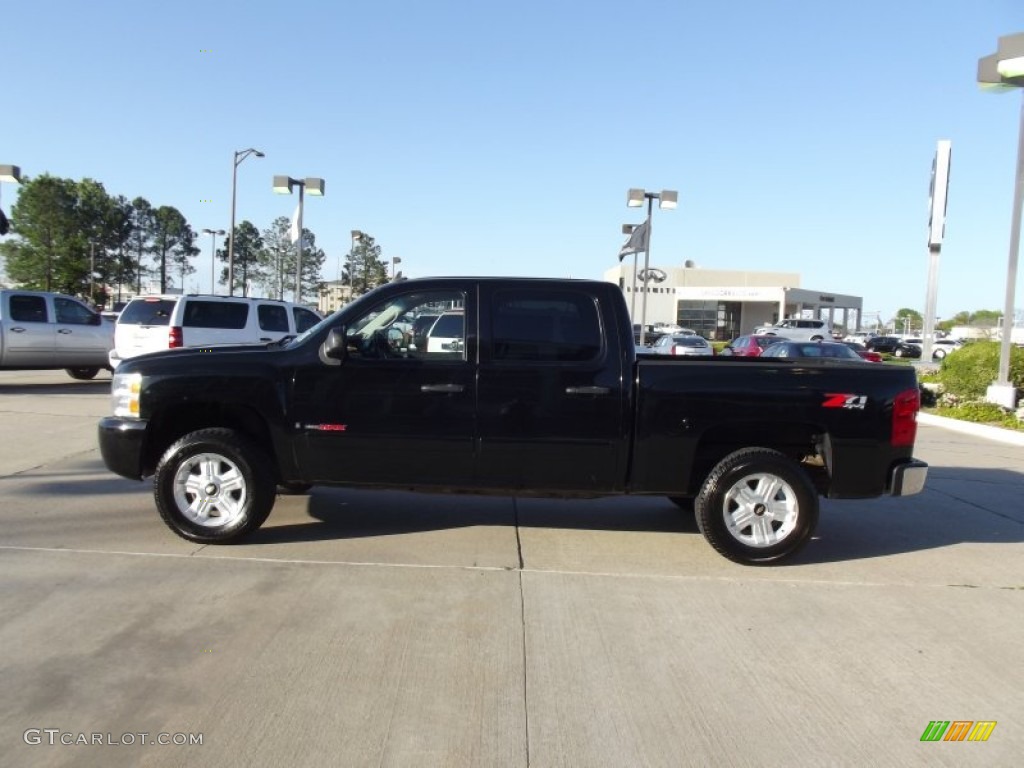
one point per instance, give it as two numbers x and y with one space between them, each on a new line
43 330
543 394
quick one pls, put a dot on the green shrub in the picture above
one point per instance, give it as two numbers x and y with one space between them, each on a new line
981 413
967 372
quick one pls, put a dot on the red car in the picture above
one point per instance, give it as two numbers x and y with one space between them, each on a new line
750 346
868 354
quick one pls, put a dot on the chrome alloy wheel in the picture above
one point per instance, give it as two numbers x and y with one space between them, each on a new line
209 490
761 510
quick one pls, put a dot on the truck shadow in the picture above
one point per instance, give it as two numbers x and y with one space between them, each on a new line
99 385
959 506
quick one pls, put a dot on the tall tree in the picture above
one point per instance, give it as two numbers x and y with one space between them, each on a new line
364 269
908 318
184 252
248 250
45 224
140 241
170 232
313 259
277 259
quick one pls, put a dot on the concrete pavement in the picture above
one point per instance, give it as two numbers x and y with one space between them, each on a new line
361 628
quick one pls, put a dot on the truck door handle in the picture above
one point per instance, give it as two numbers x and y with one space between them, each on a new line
17 329
587 390
442 388
64 330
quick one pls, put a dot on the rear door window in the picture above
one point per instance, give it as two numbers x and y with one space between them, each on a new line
562 326
273 317
28 309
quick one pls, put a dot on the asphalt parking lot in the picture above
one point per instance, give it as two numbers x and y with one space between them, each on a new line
395 629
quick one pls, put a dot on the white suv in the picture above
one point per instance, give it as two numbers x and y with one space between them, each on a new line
153 323
799 329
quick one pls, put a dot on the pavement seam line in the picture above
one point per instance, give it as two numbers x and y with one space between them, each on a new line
496 569
522 623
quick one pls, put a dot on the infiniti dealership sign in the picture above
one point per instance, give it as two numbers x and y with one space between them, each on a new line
652 275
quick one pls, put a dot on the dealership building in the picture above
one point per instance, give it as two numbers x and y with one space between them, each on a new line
723 304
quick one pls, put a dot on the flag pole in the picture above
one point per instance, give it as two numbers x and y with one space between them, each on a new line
647 255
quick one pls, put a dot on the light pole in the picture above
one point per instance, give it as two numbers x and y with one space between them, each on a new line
240 155
283 186
213 256
668 199
1003 70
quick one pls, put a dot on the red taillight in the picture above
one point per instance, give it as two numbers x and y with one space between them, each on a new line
174 338
904 417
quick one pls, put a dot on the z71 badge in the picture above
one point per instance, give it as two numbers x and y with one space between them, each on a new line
850 402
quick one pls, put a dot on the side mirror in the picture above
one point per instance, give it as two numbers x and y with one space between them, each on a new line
95 319
334 346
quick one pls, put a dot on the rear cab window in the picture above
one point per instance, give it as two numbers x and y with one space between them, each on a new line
147 312
215 314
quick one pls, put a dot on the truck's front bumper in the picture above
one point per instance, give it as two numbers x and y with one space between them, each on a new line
122 443
908 479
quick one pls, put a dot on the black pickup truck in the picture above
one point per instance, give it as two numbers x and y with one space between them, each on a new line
509 385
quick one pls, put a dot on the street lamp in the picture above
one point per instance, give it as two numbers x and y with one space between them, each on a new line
240 155
213 255
668 199
283 186
1003 70
394 260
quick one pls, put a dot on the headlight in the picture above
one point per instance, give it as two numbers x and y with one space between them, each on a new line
124 395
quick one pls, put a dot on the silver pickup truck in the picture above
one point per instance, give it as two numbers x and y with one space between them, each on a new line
40 330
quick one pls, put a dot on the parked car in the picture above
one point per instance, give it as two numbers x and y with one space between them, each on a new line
910 348
42 330
544 397
942 347
750 346
798 329
817 350
682 344
884 344
861 337
867 354
154 323
448 333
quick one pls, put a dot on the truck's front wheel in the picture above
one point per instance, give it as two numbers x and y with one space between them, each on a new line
757 507
214 487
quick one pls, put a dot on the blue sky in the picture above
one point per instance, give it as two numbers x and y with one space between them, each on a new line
501 138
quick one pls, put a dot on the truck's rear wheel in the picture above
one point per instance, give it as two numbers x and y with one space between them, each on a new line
757 507
214 487
82 374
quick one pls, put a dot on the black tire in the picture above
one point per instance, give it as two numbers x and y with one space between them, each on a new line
293 489
781 505
685 503
898 353
939 354
240 489
82 374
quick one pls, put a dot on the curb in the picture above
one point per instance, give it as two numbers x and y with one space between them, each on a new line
970 428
